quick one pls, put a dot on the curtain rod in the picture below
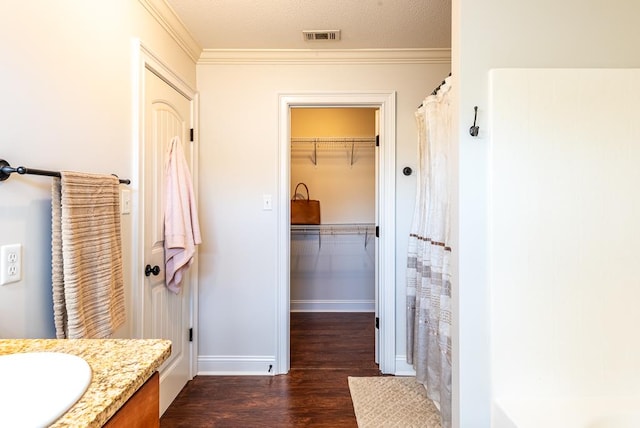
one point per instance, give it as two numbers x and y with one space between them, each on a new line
435 91
6 170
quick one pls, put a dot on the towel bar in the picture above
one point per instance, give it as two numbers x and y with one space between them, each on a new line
6 170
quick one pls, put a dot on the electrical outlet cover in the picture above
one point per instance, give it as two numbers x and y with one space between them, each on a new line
10 263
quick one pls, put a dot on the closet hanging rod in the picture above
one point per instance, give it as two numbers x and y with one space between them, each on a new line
6 170
335 229
349 140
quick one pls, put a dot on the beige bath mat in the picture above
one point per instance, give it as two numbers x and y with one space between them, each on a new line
390 401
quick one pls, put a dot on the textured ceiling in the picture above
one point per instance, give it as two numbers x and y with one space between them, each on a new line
278 24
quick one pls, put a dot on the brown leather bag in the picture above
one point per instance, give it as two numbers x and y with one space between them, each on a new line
304 211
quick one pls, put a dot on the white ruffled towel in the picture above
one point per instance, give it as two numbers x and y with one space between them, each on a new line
181 227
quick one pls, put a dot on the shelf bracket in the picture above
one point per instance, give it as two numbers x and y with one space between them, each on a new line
315 153
352 146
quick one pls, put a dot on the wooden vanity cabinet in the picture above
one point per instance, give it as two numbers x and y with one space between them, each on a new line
142 409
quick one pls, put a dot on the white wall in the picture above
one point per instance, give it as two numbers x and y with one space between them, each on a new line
67 90
490 34
239 163
344 184
333 275
564 233
347 193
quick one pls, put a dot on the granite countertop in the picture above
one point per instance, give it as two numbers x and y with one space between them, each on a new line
119 368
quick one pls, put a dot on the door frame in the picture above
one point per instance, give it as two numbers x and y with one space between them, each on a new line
385 102
145 59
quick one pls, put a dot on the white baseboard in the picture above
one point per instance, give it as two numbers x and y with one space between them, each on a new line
236 365
403 368
239 365
332 306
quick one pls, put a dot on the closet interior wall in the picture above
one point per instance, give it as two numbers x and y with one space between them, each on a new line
333 265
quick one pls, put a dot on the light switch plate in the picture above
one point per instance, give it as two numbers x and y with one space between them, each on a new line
125 201
267 204
10 263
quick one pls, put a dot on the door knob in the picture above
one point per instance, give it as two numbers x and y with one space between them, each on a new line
148 270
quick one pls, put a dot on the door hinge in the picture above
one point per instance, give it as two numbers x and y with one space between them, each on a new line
191 334
377 141
377 231
191 134
378 323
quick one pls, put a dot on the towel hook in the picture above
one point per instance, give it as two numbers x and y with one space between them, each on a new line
474 129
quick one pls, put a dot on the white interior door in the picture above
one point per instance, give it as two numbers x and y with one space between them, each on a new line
377 243
166 315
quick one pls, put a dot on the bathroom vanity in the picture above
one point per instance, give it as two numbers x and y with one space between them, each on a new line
124 386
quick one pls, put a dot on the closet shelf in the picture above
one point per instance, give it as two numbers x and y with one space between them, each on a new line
366 229
333 143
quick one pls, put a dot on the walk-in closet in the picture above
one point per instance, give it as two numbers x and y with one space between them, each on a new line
333 153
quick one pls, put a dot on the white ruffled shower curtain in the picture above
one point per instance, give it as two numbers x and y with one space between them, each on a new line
429 252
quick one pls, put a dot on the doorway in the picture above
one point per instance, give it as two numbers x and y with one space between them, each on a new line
384 300
332 277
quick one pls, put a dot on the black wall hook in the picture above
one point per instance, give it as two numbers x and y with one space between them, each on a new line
474 129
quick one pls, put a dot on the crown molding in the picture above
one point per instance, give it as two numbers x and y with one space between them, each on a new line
173 25
325 56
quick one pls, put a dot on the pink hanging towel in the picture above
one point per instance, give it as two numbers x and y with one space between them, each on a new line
181 227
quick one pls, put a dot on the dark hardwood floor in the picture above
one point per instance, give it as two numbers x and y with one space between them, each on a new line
326 348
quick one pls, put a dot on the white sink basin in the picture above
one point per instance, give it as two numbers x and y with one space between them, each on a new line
36 388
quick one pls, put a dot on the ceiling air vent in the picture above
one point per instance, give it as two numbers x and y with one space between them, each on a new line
328 35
